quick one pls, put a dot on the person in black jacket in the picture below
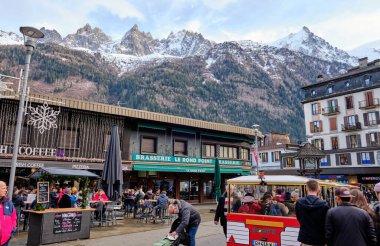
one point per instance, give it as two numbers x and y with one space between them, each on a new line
65 201
189 218
347 224
311 213
221 209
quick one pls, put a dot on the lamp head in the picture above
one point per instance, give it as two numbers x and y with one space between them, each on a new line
31 35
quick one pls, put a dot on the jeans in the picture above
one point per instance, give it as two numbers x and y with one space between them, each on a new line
192 231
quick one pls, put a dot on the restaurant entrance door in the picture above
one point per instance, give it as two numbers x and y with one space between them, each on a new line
189 190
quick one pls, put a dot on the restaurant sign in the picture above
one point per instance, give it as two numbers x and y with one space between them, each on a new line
28 151
183 159
185 169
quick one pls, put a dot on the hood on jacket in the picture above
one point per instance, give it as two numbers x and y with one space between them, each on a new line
311 202
162 196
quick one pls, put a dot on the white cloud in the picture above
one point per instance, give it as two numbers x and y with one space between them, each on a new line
193 25
269 35
121 8
349 30
217 4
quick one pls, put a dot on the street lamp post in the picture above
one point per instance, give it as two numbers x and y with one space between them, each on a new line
30 37
256 129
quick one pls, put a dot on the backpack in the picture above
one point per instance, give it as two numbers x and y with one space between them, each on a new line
164 242
275 210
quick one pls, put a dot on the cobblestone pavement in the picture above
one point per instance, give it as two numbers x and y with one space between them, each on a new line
129 232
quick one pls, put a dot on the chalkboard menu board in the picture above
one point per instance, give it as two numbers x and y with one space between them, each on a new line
42 192
67 222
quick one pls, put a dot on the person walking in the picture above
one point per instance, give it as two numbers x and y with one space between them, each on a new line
311 213
223 203
189 219
8 217
347 224
376 209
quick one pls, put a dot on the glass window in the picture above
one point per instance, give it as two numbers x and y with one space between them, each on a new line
313 92
180 147
351 120
324 162
208 189
330 89
244 154
69 138
208 150
354 141
318 143
276 156
264 156
373 139
343 160
149 145
189 190
349 102
228 152
367 80
347 84
316 126
314 108
365 158
289 162
372 118
334 143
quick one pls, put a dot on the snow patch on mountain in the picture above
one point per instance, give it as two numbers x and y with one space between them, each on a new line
310 44
10 38
370 50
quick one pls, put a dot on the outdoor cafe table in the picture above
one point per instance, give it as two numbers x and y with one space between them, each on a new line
58 225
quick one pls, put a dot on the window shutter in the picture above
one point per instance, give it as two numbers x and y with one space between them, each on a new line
348 142
336 104
349 162
337 160
345 120
333 126
322 145
311 127
319 108
368 139
377 117
328 160
365 116
148 145
359 140
372 157
356 119
320 126
359 157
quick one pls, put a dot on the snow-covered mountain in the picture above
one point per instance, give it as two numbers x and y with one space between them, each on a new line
138 48
310 44
370 50
10 38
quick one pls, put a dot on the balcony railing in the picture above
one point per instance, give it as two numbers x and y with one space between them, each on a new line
373 122
331 110
352 127
369 104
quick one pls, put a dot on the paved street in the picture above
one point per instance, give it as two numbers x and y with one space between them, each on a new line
208 235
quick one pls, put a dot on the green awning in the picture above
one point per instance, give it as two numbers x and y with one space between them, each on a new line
151 126
184 131
184 169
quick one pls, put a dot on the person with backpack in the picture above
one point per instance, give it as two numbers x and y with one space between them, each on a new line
311 214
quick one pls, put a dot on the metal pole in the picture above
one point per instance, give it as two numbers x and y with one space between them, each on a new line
16 142
257 153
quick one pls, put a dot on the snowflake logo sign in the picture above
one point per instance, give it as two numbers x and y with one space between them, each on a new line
43 117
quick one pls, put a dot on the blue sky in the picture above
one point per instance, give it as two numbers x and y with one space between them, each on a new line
345 24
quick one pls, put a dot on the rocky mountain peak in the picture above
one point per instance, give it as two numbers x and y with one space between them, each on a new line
306 42
51 36
137 43
86 37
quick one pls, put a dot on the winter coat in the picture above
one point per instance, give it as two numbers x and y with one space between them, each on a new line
311 214
347 224
188 216
65 201
220 210
103 197
376 208
162 201
8 220
18 202
250 208
53 199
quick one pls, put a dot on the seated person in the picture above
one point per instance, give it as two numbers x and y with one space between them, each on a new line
249 205
269 206
162 203
65 201
290 204
129 202
100 196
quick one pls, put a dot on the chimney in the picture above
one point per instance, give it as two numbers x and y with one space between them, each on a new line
319 78
363 62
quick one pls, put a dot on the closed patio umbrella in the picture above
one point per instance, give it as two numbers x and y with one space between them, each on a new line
217 180
112 176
